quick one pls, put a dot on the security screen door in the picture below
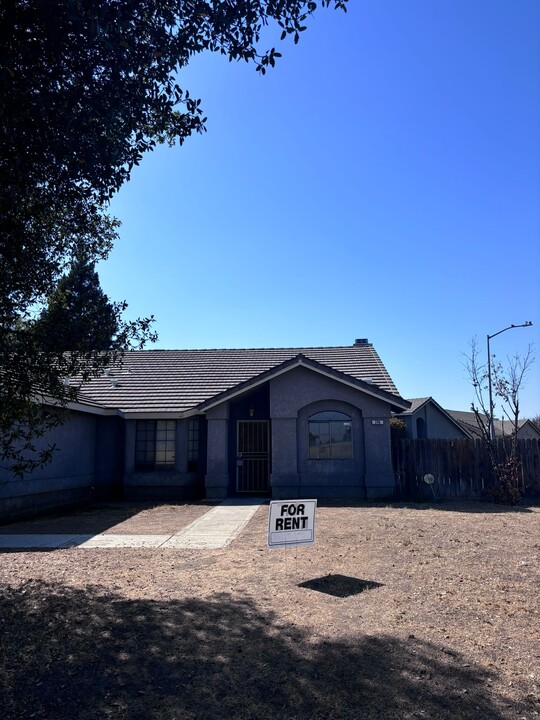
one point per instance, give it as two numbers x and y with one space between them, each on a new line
252 456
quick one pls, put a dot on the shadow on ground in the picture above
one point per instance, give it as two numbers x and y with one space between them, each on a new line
91 519
341 586
69 653
94 517
445 504
466 506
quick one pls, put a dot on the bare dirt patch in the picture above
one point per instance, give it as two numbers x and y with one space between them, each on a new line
435 614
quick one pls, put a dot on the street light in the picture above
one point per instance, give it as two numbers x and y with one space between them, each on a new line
489 337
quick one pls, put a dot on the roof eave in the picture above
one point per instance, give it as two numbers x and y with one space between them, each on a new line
91 409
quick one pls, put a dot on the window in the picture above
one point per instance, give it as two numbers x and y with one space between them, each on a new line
155 444
193 444
330 436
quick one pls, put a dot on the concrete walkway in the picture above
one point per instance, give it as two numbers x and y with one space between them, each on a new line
216 529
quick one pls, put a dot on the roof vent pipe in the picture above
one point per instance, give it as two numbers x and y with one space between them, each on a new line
361 341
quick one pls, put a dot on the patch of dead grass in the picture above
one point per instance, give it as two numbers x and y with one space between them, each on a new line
447 624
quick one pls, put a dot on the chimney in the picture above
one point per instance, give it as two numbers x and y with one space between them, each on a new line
361 341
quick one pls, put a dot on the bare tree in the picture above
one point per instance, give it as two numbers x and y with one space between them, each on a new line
507 381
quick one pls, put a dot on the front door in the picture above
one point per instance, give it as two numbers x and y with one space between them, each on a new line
252 456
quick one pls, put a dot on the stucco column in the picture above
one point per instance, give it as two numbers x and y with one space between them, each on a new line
284 479
181 445
129 448
379 471
217 476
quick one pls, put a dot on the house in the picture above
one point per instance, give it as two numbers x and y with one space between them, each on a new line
427 419
467 420
280 422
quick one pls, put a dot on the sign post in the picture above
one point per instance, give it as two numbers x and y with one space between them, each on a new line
291 523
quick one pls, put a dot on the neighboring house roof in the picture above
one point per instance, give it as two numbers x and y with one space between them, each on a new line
418 403
468 421
177 381
532 428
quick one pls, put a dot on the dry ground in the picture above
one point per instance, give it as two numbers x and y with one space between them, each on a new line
446 624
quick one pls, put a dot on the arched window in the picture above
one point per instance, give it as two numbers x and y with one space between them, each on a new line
330 436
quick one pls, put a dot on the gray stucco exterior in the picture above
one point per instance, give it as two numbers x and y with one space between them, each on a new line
429 420
293 397
86 465
111 441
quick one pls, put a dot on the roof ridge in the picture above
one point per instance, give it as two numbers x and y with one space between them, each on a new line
292 347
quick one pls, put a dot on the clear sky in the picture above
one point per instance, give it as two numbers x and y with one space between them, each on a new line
383 181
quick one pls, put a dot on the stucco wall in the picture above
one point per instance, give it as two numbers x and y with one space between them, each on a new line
296 395
217 470
67 480
527 432
437 425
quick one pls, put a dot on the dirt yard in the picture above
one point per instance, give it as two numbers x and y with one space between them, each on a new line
396 612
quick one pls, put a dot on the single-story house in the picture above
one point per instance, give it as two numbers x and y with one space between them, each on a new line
279 422
427 419
467 420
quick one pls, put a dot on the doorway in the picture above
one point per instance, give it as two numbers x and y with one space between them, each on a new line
252 456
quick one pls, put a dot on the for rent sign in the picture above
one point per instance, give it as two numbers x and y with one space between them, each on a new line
291 522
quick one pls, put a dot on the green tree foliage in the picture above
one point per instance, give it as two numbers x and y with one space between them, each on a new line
78 333
80 322
86 88
398 429
78 316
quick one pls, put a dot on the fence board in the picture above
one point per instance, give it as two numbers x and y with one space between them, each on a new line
461 468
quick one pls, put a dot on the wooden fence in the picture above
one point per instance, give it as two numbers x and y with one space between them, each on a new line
460 468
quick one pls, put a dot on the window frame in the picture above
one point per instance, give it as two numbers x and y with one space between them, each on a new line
155 445
317 452
194 444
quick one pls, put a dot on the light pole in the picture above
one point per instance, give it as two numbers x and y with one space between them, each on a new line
490 337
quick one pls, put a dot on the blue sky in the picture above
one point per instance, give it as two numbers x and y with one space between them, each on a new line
383 181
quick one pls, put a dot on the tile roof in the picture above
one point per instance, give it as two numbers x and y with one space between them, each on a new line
468 421
178 380
416 404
